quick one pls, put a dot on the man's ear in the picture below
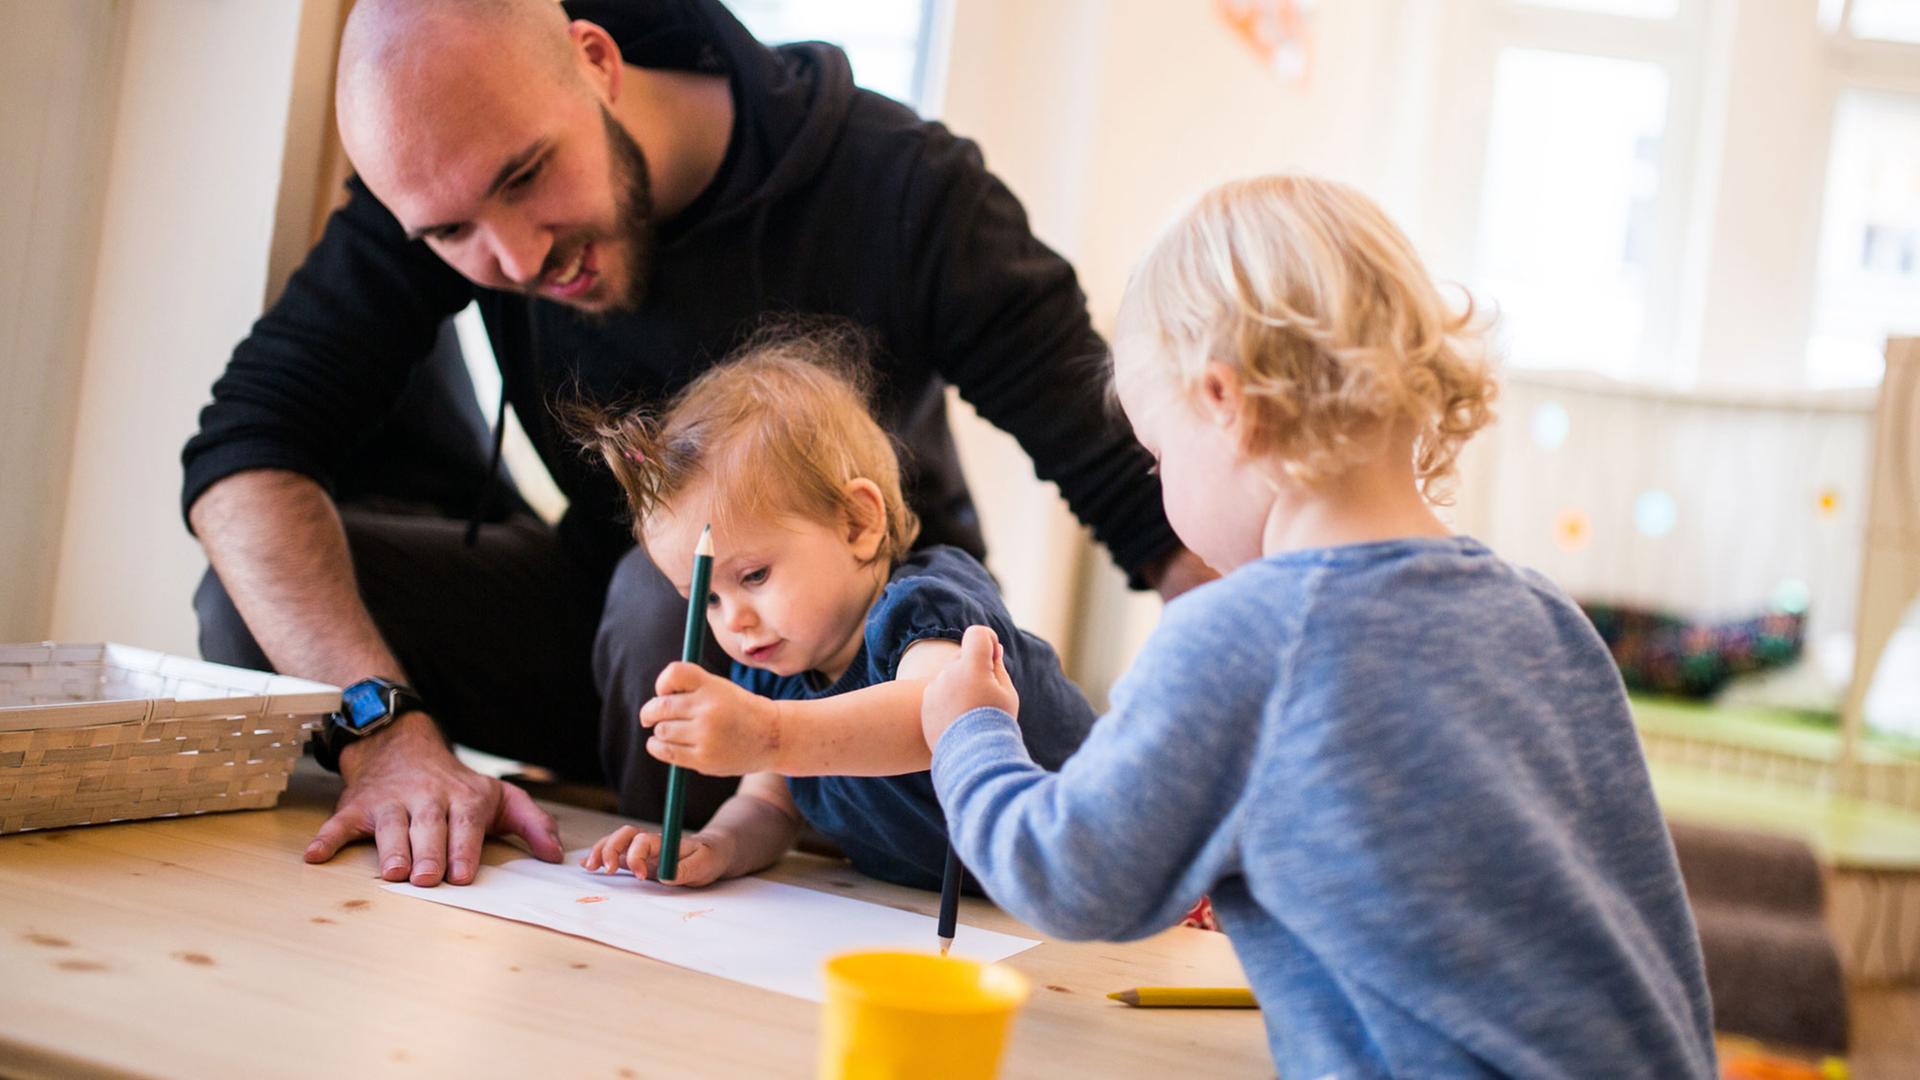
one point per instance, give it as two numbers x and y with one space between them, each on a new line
599 56
866 517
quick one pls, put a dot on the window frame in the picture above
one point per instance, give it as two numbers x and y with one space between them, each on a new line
1853 64
1480 30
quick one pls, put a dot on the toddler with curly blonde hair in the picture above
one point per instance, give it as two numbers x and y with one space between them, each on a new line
1403 769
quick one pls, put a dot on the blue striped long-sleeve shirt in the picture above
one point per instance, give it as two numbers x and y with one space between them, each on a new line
1407 775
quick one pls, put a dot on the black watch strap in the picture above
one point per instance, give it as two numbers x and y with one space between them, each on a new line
367 707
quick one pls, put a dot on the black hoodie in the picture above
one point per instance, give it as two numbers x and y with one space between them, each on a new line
832 201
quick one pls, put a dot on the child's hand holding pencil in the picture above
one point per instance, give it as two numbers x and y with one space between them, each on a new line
704 722
704 857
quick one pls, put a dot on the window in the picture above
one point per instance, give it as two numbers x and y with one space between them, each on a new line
887 41
1869 260
1573 220
1567 206
1686 191
1643 9
1884 20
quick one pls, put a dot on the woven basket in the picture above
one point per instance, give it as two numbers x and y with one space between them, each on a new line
94 733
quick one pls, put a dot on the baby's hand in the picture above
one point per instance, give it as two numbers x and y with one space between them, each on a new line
703 722
703 856
977 678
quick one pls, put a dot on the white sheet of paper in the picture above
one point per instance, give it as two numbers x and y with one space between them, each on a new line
762 933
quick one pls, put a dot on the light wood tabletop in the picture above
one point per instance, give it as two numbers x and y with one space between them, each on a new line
205 947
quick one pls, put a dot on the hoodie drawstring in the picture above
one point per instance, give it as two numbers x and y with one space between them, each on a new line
500 434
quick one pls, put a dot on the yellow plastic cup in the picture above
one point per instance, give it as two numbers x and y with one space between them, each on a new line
897 1014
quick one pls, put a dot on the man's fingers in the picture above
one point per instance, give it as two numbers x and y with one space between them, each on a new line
520 816
427 836
341 829
390 839
466 834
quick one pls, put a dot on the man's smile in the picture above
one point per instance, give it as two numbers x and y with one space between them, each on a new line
572 280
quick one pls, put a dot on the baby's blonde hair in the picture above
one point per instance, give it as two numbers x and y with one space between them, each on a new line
1327 315
780 427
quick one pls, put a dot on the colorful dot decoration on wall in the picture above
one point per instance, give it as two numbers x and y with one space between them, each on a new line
1572 529
1655 513
1551 424
1791 596
1276 31
1828 502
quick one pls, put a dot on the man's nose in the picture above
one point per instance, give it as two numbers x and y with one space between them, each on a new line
519 252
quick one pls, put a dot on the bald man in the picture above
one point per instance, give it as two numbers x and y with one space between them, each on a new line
627 190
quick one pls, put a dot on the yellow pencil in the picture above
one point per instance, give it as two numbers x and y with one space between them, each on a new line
1188 997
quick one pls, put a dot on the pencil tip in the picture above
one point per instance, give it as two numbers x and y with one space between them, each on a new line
705 546
945 945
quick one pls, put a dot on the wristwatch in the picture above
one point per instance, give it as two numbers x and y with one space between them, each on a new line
365 707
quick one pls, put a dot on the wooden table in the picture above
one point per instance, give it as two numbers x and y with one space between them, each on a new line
205 947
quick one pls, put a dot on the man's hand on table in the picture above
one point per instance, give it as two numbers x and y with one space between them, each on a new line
427 814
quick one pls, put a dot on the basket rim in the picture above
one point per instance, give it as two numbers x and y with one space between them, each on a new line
250 693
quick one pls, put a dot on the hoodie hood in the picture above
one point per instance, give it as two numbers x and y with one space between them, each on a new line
790 102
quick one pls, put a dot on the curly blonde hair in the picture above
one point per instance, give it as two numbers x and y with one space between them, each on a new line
1320 303
780 427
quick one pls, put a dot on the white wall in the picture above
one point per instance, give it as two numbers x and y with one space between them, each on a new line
1761 207
1104 116
58 69
188 222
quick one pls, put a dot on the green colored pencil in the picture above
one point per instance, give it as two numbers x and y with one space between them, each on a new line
691 647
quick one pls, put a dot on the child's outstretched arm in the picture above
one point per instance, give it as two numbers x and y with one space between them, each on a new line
706 723
1132 830
749 833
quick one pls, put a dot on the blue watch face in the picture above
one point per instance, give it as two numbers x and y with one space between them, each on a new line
365 702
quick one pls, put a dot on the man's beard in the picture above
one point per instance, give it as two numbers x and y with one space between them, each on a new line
633 189
633 217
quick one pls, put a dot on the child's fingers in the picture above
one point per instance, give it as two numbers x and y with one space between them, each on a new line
642 853
699 864
678 732
977 648
665 707
679 677
671 753
605 852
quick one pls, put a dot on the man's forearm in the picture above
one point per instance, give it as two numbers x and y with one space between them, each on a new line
276 541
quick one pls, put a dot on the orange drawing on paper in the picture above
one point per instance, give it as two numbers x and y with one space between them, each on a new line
692 915
590 900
